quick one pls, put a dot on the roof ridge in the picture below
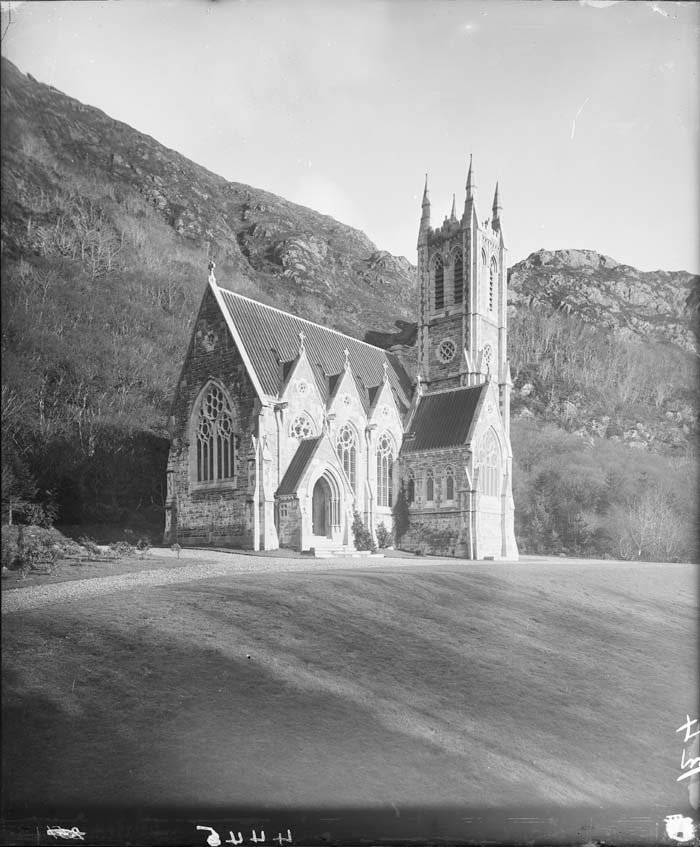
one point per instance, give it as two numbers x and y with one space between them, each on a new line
454 388
305 320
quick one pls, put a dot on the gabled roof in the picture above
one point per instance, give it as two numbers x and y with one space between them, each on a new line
270 335
298 465
443 419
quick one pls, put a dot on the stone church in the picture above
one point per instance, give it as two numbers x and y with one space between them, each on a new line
282 429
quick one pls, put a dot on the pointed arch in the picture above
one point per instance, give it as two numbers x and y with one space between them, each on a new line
410 486
458 275
449 483
213 436
302 427
489 462
385 470
493 273
439 282
346 445
325 496
429 486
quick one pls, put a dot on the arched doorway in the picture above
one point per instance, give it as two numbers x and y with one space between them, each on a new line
319 510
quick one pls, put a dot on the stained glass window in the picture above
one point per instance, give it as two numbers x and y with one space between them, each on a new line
215 438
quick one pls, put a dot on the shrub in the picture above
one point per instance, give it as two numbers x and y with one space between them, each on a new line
25 547
362 536
121 549
90 546
34 549
35 514
9 547
143 545
383 536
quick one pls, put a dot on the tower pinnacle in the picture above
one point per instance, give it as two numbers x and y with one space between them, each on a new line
471 182
425 216
453 213
497 207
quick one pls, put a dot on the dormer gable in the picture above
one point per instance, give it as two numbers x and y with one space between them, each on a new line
383 407
345 397
301 379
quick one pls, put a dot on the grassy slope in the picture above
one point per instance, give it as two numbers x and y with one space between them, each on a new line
520 684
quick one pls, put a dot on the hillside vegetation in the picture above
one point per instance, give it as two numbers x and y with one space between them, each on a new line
106 235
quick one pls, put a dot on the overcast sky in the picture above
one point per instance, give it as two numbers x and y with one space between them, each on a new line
586 112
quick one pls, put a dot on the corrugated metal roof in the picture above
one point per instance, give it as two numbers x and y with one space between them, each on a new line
443 419
270 335
297 466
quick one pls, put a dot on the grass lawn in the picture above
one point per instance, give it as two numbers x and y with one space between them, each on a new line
553 685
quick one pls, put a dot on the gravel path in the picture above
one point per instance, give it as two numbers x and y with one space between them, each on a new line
213 564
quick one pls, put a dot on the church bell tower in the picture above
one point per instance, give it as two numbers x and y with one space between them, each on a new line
462 273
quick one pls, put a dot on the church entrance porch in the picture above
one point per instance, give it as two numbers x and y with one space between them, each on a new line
322 522
321 501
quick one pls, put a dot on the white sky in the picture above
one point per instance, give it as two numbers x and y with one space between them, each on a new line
586 112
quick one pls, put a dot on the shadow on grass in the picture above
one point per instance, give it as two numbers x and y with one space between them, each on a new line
138 717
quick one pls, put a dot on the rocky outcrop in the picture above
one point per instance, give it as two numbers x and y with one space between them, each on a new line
282 253
654 305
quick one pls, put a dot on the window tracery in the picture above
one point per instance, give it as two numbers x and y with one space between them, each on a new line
439 283
446 351
449 483
346 446
458 277
492 284
215 437
489 458
429 485
385 463
301 427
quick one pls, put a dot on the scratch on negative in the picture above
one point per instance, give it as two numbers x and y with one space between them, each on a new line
573 123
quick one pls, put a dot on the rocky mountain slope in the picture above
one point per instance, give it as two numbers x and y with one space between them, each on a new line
654 306
106 235
278 251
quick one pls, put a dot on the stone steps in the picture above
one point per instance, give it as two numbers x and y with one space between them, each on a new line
342 553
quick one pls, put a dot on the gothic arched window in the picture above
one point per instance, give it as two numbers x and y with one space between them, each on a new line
385 462
458 276
411 487
492 283
301 427
489 458
439 283
449 483
346 445
429 486
215 437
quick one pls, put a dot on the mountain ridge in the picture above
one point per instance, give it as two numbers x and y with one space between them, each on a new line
106 235
276 245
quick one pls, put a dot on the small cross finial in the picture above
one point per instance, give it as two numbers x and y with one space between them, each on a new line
385 366
211 267
346 353
302 336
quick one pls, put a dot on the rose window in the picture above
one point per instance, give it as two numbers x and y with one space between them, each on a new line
446 351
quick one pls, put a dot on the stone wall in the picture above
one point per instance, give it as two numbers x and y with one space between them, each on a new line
289 523
435 526
216 513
